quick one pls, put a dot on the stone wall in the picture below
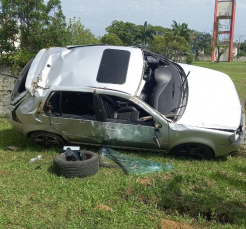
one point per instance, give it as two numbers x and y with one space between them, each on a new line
6 87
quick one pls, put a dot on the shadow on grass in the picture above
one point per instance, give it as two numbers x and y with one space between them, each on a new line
230 181
201 202
191 196
10 137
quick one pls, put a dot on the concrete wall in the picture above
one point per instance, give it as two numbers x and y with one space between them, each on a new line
6 87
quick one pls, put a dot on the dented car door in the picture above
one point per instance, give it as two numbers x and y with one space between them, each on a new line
74 116
124 125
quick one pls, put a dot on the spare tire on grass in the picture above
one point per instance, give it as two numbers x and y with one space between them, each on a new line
88 166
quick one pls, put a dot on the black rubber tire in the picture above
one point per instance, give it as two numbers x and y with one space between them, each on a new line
46 140
87 167
193 150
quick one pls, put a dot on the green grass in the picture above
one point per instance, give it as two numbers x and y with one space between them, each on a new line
197 193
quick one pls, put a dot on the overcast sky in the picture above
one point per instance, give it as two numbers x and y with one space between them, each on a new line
96 15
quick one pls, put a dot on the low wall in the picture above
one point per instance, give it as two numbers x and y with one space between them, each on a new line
6 87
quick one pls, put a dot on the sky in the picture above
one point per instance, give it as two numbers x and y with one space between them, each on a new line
96 15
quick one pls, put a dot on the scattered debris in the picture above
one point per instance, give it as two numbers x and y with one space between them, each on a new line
13 148
35 158
132 165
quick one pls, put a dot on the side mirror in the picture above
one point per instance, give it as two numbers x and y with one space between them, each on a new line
157 139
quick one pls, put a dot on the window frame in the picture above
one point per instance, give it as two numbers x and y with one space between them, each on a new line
47 112
123 121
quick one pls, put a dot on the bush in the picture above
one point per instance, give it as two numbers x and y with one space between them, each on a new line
189 59
20 59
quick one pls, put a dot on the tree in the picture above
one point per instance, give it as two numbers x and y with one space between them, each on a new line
39 25
126 31
78 34
111 39
181 30
158 44
171 45
200 41
159 30
145 34
8 35
241 49
55 30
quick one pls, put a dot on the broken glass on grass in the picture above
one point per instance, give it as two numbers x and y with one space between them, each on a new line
131 165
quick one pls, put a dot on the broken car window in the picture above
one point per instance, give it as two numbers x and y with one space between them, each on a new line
121 109
74 104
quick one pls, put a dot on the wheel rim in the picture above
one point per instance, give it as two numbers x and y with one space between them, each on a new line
46 141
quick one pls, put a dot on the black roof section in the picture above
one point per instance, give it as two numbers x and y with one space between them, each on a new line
113 67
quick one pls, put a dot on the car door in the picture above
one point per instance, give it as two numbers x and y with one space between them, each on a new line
73 114
124 125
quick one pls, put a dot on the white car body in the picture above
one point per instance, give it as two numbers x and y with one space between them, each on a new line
129 98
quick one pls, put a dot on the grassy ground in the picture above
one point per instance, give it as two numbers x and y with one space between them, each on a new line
196 194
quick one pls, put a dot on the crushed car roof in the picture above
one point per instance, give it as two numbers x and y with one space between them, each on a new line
111 67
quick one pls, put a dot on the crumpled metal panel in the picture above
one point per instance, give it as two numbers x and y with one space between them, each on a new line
129 135
79 66
78 130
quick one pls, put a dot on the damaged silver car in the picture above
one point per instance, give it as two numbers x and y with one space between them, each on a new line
126 97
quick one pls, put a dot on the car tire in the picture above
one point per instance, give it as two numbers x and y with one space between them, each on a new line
193 150
87 167
46 140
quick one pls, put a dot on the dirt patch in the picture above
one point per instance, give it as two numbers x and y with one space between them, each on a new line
146 181
171 224
102 207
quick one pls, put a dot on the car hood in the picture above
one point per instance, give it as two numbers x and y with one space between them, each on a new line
213 101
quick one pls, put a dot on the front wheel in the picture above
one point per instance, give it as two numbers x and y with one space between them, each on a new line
193 150
46 140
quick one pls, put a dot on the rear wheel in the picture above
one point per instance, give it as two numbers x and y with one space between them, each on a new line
46 140
193 150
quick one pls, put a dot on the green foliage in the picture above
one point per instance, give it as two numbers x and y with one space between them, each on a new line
181 30
159 30
40 25
126 31
111 39
171 45
19 59
200 41
132 34
8 31
189 59
78 34
145 34
241 49
158 45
